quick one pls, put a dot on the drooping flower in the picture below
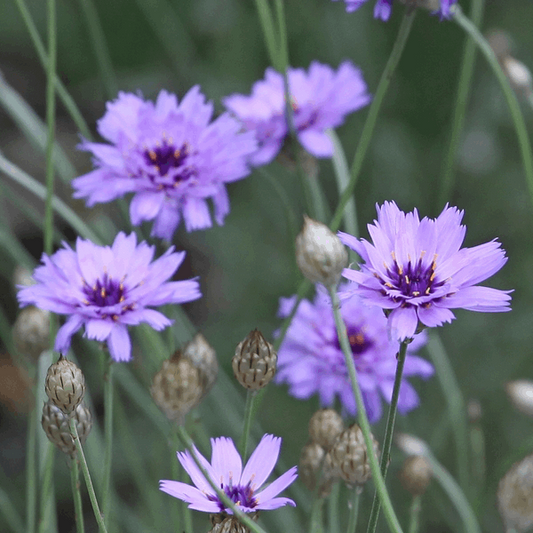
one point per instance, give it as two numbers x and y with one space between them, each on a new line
242 486
320 99
172 157
106 289
383 8
416 269
310 359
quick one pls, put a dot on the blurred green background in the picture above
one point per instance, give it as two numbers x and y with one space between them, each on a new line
247 264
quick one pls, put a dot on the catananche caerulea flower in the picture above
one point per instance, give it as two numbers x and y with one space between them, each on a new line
416 269
242 486
172 157
310 359
106 289
383 8
320 99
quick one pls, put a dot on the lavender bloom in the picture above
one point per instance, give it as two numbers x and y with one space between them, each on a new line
416 269
241 486
106 289
320 100
170 156
310 359
383 8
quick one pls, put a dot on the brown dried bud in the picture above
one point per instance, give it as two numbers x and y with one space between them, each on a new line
348 456
520 392
56 426
325 426
515 496
31 332
177 387
65 385
202 355
415 474
224 523
320 254
254 362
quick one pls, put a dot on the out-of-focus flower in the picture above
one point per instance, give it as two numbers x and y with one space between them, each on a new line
415 474
310 359
172 157
320 99
106 289
242 486
417 271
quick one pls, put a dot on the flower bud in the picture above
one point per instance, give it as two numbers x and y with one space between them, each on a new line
415 474
474 411
515 496
223 523
56 426
31 332
313 469
325 426
254 362
519 76
177 387
65 385
348 456
411 445
520 392
320 254
202 355
22 276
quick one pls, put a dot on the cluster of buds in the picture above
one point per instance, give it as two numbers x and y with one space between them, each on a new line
185 379
254 362
65 388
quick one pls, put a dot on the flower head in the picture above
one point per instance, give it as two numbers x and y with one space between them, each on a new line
242 486
417 270
320 99
170 156
310 359
106 289
383 8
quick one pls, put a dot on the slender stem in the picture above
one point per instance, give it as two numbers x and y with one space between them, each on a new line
51 123
389 430
177 473
87 476
463 91
47 492
354 510
392 520
10 513
373 112
76 495
333 509
108 454
31 468
187 441
317 516
267 25
248 417
512 102
414 514
283 50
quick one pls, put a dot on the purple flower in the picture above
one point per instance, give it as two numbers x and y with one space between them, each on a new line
106 289
416 269
383 8
310 359
170 156
320 100
242 486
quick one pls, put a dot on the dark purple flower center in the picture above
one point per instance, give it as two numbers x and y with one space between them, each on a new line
105 292
359 342
238 494
166 157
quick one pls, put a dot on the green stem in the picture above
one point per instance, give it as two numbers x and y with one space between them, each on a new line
76 495
47 492
389 431
267 25
248 417
31 468
414 514
10 513
381 489
62 92
354 510
177 473
317 511
373 112
87 476
512 102
108 436
283 50
187 441
463 91
51 123
333 509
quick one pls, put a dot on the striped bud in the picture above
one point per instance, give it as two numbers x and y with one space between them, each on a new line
202 355
325 426
65 385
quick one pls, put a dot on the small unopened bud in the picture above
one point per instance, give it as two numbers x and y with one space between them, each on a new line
416 474
204 358
65 385
348 456
224 523
254 362
519 76
22 276
31 332
515 496
177 387
320 254
313 469
325 426
520 392
500 42
411 445
56 426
